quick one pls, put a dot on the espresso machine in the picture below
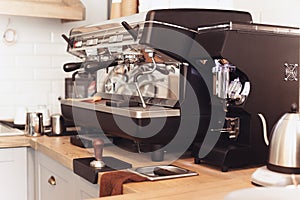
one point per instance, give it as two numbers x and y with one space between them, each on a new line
187 80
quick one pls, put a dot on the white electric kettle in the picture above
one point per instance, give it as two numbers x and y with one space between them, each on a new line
284 152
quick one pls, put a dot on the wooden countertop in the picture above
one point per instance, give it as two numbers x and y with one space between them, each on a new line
14 141
211 183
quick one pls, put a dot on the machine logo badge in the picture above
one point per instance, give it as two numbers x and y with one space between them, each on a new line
291 72
203 62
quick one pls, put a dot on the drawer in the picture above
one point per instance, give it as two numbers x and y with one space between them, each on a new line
54 180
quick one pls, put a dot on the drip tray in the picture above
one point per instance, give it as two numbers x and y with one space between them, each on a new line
161 172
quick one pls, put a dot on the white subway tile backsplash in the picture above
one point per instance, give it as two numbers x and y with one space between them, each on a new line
9 99
275 12
212 4
285 17
31 70
49 49
37 37
12 74
16 49
31 99
254 5
54 109
48 74
7 112
6 60
7 87
30 24
34 87
145 5
22 99
33 61
58 86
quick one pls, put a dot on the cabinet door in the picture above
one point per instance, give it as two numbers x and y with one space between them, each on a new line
85 189
54 180
13 173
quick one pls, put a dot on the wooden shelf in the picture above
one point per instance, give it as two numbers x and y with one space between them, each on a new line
67 10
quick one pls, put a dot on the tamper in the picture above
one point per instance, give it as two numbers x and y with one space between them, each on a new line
89 167
98 145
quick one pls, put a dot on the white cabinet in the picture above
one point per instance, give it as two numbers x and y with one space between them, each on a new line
27 174
13 173
85 189
54 181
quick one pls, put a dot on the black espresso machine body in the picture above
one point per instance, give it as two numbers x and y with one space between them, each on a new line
210 56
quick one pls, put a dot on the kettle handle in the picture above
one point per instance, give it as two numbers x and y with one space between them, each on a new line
264 124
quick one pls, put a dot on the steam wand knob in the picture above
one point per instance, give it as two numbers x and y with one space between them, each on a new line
68 40
98 145
132 31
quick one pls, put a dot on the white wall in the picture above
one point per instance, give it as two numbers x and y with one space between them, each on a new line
160 4
31 70
272 11
263 11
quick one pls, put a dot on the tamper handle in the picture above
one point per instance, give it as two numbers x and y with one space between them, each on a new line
98 145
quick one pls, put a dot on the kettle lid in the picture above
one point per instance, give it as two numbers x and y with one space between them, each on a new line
294 108
293 114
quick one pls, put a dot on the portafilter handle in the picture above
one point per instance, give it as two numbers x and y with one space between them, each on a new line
98 145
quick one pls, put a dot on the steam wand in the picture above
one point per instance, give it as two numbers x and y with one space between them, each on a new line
140 94
74 83
151 55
